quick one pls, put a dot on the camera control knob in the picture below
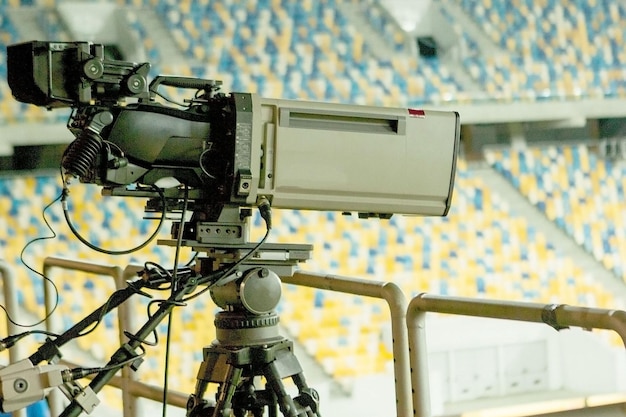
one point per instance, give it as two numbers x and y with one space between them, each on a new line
136 84
93 69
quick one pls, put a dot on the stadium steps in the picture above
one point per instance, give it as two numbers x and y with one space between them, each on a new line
377 44
459 72
566 245
453 60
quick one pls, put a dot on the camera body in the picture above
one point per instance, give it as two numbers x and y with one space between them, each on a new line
233 149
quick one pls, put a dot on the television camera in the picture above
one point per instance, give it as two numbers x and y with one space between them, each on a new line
226 153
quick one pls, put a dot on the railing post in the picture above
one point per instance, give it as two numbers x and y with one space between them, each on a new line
420 381
10 301
128 399
396 300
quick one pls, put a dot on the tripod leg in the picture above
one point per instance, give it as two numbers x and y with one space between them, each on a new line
196 402
308 397
226 391
214 368
286 365
285 402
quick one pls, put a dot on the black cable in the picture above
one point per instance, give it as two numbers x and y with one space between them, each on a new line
192 260
166 370
10 341
169 100
56 290
154 332
108 251
179 239
105 307
174 287
266 214
201 164
163 271
77 373
243 259
149 313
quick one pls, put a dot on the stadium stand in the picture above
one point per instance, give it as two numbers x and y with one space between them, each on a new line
568 49
575 188
258 48
311 45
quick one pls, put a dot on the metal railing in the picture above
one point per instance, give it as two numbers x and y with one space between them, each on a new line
558 316
397 303
407 325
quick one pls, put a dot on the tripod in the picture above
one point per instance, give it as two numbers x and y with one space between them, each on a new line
248 346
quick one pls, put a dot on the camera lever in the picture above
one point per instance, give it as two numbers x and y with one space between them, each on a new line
209 86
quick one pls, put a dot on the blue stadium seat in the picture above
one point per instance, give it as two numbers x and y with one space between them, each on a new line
38 409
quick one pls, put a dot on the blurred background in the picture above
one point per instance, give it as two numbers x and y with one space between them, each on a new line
538 211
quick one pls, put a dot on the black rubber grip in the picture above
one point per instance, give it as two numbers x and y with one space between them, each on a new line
182 82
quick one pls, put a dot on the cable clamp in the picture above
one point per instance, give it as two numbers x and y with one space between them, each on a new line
548 316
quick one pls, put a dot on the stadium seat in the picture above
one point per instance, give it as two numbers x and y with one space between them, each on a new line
576 189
